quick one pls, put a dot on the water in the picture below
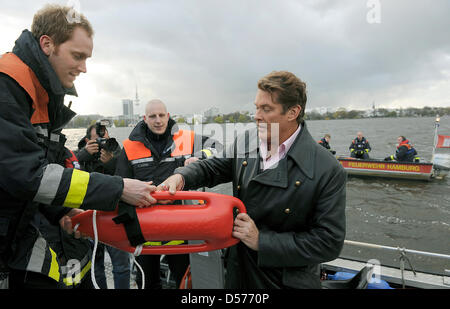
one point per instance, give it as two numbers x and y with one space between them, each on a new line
397 213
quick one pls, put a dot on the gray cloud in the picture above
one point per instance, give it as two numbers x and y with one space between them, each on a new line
197 54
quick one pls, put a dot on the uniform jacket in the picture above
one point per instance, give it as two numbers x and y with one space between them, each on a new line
142 159
362 144
157 166
405 152
298 208
32 116
323 142
73 255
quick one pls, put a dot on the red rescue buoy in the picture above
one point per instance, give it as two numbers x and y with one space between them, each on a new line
211 222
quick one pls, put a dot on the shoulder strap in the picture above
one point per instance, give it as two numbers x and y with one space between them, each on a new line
128 217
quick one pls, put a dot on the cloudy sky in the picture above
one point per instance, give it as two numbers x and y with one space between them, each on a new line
195 54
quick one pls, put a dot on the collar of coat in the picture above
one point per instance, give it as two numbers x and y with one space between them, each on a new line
302 153
28 50
140 130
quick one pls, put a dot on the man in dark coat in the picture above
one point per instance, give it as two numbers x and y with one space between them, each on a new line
293 189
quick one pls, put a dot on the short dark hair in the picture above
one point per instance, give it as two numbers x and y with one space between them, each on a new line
89 130
288 89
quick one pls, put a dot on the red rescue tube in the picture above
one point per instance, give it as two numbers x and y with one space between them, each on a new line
211 222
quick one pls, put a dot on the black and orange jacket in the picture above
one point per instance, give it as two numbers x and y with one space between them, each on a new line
32 116
323 142
362 144
141 159
405 152
148 157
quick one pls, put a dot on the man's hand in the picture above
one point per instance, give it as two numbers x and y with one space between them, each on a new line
245 230
172 184
91 147
66 222
190 160
138 193
105 156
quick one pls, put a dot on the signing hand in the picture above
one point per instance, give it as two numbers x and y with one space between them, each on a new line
245 230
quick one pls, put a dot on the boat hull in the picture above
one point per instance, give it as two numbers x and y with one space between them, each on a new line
387 169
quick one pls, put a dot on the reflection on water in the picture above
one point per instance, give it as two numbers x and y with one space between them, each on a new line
396 213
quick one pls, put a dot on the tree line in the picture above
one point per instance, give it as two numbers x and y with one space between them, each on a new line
81 121
343 113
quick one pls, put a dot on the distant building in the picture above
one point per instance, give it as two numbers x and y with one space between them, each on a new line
213 111
127 108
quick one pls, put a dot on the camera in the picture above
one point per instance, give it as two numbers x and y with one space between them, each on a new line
109 144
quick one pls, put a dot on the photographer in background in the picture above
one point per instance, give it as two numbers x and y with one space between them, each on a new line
97 152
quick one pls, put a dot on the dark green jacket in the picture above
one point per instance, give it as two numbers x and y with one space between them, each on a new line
298 207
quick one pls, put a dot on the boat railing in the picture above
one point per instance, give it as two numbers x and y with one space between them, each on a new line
398 249
440 278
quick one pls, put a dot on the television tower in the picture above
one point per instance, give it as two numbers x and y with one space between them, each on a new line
136 101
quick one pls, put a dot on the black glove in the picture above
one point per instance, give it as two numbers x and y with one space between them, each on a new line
333 152
387 158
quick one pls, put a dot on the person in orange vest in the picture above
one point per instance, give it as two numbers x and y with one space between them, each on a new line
154 149
405 151
325 142
34 79
360 147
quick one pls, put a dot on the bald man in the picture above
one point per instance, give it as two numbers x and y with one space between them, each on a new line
360 147
154 149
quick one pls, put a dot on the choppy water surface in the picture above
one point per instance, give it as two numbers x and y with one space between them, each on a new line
397 213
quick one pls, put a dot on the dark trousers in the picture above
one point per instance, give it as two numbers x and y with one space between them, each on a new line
19 280
151 266
364 155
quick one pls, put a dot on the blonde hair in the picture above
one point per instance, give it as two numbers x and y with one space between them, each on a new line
54 21
288 89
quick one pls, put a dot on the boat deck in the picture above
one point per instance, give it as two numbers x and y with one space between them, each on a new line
393 275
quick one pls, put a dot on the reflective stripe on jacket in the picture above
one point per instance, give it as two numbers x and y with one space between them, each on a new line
32 115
